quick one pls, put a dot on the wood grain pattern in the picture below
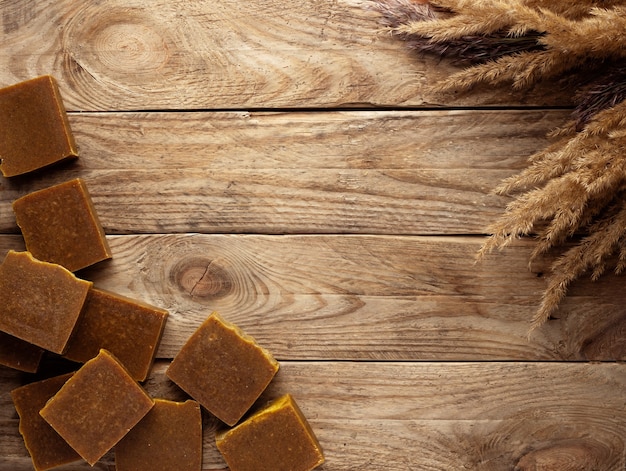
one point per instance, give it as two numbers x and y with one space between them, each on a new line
367 297
216 141
479 416
390 172
127 55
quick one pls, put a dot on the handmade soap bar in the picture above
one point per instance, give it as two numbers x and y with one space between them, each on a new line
41 301
129 329
168 438
60 225
46 447
223 369
18 354
34 129
276 438
97 407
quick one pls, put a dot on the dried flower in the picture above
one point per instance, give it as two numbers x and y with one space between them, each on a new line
575 189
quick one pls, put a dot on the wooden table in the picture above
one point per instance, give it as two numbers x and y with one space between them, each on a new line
283 163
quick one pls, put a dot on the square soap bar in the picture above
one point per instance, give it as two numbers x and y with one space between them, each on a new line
41 301
129 329
60 225
223 369
168 438
97 407
276 438
46 447
34 129
18 354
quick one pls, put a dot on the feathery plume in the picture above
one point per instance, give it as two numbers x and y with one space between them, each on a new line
575 188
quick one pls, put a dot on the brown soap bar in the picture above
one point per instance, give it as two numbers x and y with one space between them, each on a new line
276 438
41 301
130 330
18 354
34 129
223 369
46 447
168 438
60 225
97 407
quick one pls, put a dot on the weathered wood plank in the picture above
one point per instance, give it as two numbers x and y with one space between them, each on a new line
479 416
129 55
366 297
480 139
291 201
352 172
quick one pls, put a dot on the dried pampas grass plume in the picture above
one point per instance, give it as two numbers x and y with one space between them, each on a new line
577 187
574 191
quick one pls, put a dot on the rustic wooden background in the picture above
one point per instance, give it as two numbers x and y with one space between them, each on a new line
284 163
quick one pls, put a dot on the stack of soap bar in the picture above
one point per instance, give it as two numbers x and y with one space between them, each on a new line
129 329
41 301
46 447
223 369
97 406
168 438
34 129
276 438
18 354
60 225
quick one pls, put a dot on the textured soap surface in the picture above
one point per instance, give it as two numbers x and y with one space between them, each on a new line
129 329
223 369
275 438
34 129
41 301
168 438
45 446
61 225
97 407
18 354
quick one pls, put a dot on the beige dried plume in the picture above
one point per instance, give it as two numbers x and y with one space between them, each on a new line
574 188
574 191
565 43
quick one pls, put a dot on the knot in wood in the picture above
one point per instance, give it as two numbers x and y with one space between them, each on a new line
202 278
131 46
570 455
124 41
